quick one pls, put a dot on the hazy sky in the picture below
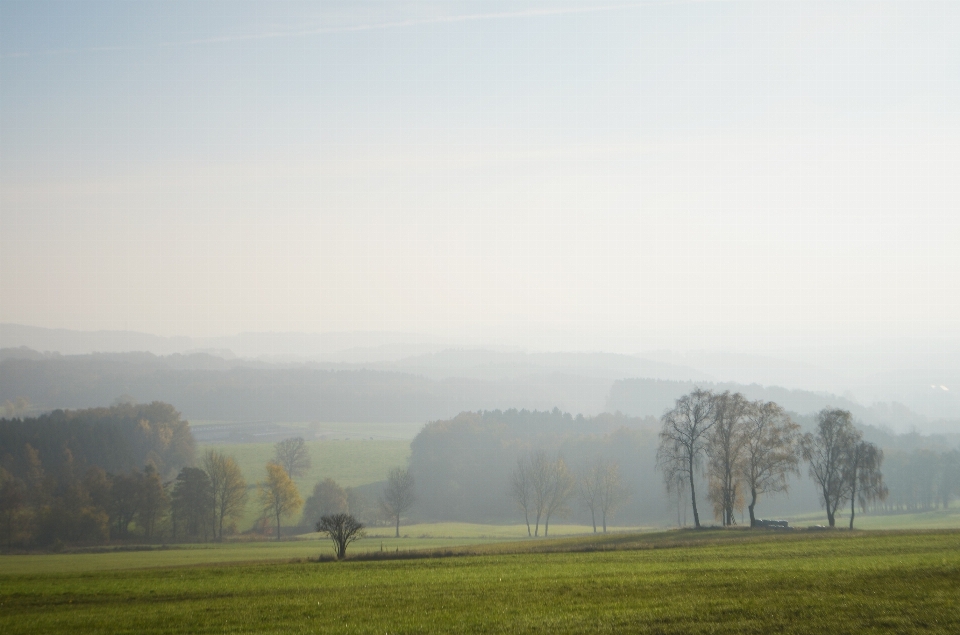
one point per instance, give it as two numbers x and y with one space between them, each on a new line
564 175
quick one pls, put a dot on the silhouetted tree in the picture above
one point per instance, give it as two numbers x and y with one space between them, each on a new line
866 480
829 454
399 495
342 529
770 451
683 439
725 450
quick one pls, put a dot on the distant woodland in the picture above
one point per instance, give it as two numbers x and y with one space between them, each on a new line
129 473
464 469
205 387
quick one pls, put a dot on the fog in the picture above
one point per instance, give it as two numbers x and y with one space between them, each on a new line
442 214
770 178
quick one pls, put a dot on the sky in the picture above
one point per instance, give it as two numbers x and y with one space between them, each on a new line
555 175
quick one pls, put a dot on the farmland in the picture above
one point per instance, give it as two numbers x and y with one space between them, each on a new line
670 582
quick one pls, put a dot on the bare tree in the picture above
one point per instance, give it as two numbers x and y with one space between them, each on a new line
770 451
600 489
683 441
829 454
540 469
399 495
560 489
520 489
863 471
725 447
228 486
342 529
589 485
293 456
613 494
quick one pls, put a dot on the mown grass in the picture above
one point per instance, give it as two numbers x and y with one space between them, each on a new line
697 582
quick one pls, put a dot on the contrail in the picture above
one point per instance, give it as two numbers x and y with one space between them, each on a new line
530 13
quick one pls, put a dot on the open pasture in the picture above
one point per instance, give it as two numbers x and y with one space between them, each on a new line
669 582
349 462
934 519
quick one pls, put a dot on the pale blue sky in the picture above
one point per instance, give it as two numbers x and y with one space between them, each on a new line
561 175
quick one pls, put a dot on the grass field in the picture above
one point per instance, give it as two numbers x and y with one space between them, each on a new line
936 519
350 463
668 582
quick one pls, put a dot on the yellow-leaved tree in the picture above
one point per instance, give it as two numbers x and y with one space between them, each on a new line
278 494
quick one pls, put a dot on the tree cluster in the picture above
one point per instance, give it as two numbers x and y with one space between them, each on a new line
123 437
843 465
85 476
749 449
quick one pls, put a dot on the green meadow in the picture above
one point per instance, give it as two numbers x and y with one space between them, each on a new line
710 581
349 462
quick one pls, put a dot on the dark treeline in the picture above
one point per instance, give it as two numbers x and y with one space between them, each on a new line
464 469
123 437
921 480
84 476
463 466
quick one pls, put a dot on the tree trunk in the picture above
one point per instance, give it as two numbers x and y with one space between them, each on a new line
278 526
753 503
526 517
593 517
604 515
536 527
398 526
693 496
853 503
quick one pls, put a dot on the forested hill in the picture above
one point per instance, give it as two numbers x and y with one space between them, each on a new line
206 387
116 439
653 397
